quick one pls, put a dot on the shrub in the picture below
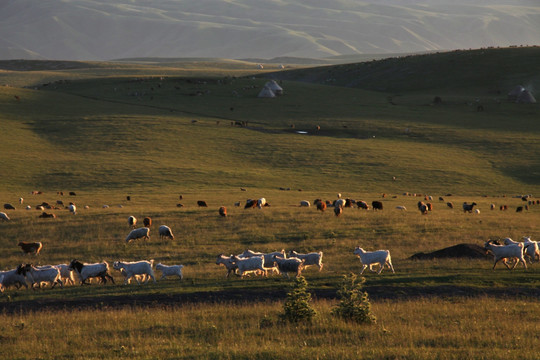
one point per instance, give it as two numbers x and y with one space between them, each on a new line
354 303
297 306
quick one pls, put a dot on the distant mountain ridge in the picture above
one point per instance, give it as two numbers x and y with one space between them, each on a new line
239 29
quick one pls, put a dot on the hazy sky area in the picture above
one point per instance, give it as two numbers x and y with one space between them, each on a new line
237 29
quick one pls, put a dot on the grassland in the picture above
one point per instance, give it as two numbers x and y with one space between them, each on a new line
154 132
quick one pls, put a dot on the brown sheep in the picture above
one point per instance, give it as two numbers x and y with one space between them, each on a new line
321 206
147 221
30 247
223 211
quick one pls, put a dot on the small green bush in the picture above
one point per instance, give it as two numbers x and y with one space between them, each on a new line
297 306
354 304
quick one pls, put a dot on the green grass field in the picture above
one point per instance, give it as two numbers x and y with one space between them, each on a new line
157 130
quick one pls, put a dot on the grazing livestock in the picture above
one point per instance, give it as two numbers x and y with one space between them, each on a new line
505 252
72 193
249 265
72 208
338 210
369 258
30 247
377 205
21 201
519 209
305 203
228 263
4 216
450 205
170 270
314 258
250 203
286 266
66 273
223 211
135 234
261 202
132 221
422 207
131 269
45 215
362 205
468 207
202 203
268 257
39 275
88 271
401 207
321 206
165 232
13 277
530 248
147 222
9 207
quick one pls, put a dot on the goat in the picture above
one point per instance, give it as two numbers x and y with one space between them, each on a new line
314 258
468 207
87 271
30 247
143 267
268 258
170 270
291 265
13 277
39 275
228 263
504 252
531 248
248 265
369 258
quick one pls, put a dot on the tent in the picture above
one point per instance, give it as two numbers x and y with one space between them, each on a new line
526 98
266 93
515 92
273 85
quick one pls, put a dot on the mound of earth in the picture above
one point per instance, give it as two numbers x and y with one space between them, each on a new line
472 251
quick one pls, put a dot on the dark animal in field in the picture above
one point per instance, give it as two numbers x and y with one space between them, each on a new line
72 193
519 209
250 203
9 207
338 210
147 221
468 207
202 203
377 205
450 205
362 205
45 215
321 205
30 247
223 211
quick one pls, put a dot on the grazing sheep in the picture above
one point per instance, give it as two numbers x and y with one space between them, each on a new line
362 205
340 203
135 234
286 266
30 247
143 267
305 203
132 221
170 270
165 232
261 202
519 209
450 205
249 265
369 258
377 205
202 203
72 193
72 209
338 210
223 211
321 205
228 263
4 217
314 258
9 207
477 211
250 203
468 207
45 215
401 207
147 221
504 252
21 200
88 271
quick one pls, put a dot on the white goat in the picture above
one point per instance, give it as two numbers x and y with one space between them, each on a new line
87 271
310 259
268 258
135 234
368 258
291 265
170 270
13 277
66 273
228 263
143 267
532 249
249 265
504 252
47 274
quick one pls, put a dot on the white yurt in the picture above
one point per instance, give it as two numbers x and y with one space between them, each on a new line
526 98
266 93
273 85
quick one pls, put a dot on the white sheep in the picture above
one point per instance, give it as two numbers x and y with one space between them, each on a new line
4 216
72 209
261 202
165 232
13 277
248 265
291 265
228 263
401 207
143 232
305 203
143 267
314 258
504 252
268 258
170 270
369 258
88 271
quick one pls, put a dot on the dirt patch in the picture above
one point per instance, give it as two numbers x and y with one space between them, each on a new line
471 251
